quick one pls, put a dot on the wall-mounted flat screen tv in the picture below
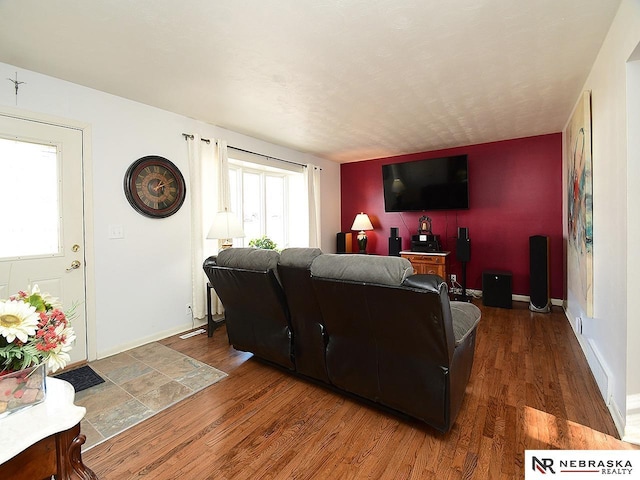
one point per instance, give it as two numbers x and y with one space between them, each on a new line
433 184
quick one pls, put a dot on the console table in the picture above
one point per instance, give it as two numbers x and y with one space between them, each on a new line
435 263
211 323
45 439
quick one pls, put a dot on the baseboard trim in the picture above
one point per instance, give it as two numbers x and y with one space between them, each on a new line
153 338
558 302
525 298
632 427
618 419
616 415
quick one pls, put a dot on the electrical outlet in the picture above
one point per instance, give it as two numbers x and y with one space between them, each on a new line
454 278
188 309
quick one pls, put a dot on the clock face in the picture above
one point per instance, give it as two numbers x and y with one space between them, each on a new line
154 187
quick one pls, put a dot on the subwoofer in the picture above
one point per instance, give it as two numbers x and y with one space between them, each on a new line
496 289
539 294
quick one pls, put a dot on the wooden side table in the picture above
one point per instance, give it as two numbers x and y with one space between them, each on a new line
211 323
435 263
45 439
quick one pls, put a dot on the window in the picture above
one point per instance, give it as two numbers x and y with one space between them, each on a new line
271 201
30 187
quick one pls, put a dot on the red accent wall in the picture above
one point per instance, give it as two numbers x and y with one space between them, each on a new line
515 191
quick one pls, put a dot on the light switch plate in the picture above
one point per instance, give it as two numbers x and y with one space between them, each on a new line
116 231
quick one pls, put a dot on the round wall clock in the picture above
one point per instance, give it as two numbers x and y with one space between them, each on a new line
154 186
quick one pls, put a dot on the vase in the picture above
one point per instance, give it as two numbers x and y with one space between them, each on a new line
22 389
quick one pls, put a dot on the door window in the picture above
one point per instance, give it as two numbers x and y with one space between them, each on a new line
29 199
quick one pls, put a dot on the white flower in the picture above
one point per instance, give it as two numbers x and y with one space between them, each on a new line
68 334
58 359
59 356
47 298
17 319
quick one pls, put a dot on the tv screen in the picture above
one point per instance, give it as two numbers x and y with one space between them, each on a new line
433 184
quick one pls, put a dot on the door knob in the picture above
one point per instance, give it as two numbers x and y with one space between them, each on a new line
75 264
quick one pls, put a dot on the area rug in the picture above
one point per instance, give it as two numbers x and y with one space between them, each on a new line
81 378
138 384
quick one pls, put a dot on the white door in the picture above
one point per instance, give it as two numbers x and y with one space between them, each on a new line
41 207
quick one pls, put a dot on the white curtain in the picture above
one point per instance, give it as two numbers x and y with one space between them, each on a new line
312 174
222 163
223 200
201 183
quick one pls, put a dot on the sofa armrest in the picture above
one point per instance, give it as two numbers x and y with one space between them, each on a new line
212 261
431 283
465 317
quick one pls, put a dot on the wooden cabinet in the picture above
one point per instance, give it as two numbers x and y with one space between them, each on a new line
435 263
45 440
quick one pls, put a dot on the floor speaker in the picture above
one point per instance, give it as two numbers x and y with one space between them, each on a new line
539 295
395 242
395 245
344 243
496 289
463 249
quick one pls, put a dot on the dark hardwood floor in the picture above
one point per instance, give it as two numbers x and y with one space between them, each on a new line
530 389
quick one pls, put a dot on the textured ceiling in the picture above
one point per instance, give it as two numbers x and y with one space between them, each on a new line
341 79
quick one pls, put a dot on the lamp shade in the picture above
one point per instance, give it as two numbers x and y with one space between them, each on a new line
362 222
225 225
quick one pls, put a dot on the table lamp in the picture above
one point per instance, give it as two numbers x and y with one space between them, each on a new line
226 226
362 223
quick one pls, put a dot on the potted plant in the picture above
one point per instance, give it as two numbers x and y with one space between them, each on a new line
35 336
263 242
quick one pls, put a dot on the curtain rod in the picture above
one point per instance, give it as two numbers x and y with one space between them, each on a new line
188 135
267 156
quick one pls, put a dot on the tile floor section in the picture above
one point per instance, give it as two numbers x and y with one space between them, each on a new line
138 384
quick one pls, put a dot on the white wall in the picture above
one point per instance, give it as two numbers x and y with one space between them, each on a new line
615 234
632 428
143 281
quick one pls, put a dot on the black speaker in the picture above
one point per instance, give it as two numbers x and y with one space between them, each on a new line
539 294
463 249
395 245
343 242
463 255
496 289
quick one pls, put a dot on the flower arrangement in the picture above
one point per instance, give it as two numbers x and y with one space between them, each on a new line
263 242
34 330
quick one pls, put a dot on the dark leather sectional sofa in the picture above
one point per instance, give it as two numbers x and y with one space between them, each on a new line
362 324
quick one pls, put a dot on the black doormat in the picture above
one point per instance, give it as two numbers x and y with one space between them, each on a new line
81 378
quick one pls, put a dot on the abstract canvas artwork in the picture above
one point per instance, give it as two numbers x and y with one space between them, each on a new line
577 144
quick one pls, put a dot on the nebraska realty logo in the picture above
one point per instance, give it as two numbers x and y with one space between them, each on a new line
582 464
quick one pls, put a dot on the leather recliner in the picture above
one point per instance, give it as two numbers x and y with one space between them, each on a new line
309 339
394 337
256 312
361 324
